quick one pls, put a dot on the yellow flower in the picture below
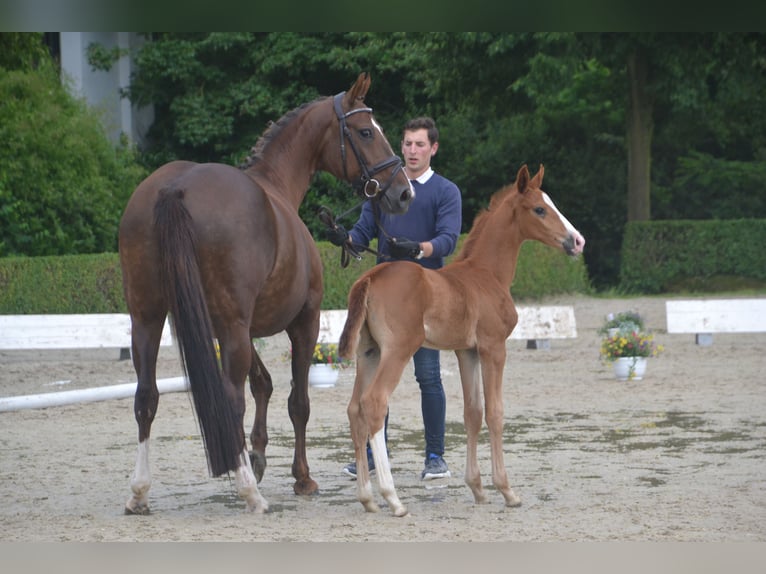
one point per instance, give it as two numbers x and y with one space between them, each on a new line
629 344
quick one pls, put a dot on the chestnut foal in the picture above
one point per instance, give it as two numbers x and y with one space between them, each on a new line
465 306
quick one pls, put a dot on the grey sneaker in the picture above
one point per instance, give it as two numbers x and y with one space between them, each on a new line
350 469
435 468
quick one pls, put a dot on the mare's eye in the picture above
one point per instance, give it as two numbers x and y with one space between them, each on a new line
540 211
366 133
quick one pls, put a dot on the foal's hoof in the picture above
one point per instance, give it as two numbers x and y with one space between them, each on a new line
258 462
305 486
513 501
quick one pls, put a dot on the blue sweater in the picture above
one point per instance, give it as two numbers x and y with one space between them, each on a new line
434 215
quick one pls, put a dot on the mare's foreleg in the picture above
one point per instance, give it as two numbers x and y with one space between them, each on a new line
492 364
261 388
470 380
303 339
145 347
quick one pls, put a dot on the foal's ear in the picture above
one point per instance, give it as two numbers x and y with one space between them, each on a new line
537 181
358 90
522 179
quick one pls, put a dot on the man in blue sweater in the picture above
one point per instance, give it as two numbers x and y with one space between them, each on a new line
426 234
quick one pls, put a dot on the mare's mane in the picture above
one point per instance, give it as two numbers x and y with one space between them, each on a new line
272 131
478 223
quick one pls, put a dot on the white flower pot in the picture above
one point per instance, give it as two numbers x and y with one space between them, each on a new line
322 375
629 368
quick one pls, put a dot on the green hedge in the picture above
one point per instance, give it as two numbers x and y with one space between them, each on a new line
61 284
657 254
93 283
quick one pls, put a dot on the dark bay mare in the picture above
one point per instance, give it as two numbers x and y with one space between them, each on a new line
466 306
224 252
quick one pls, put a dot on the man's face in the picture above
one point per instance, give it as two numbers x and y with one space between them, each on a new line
417 152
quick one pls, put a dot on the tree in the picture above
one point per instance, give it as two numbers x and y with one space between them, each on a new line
629 126
22 50
62 184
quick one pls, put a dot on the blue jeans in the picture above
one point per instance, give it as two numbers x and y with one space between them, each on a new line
433 402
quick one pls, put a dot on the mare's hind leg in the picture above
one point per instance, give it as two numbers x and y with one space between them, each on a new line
303 335
468 362
145 346
236 361
261 387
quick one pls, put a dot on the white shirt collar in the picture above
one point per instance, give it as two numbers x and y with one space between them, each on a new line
425 176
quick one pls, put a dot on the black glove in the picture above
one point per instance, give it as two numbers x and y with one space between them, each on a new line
337 235
401 247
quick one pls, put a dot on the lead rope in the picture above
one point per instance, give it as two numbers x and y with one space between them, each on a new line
349 249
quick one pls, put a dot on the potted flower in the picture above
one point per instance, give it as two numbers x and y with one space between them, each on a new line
325 364
623 321
628 351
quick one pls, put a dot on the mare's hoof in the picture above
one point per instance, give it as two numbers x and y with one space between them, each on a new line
305 486
258 462
137 510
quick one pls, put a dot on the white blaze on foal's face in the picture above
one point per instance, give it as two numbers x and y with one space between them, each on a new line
579 240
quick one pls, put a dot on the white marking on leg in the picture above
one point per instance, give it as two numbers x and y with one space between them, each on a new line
247 486
141 481
383 471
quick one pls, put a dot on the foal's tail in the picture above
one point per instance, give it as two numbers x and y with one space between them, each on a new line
357 315
220 427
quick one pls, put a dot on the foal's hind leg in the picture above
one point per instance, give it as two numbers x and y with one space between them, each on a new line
366 365
374 401
468 361
261 387
145 346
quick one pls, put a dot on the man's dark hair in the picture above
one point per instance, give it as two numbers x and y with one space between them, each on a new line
423 123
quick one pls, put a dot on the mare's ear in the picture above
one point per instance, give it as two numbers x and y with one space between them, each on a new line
358 90
537 181
522 179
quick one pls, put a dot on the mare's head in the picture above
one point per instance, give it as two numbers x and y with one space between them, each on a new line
366 156
539 219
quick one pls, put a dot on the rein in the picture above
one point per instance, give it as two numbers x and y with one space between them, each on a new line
348 249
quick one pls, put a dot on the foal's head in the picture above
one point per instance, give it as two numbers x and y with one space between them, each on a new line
539 219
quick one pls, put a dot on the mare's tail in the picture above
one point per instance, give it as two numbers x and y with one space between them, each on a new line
357 315
220 427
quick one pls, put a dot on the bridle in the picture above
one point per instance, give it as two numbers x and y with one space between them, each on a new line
367 184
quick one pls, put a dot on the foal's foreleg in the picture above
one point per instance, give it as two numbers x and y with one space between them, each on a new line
492 375
470 380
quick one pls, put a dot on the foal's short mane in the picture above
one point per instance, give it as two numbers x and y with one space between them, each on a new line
272 131
478 223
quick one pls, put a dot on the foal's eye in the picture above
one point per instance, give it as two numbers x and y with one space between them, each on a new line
366 133
540 211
